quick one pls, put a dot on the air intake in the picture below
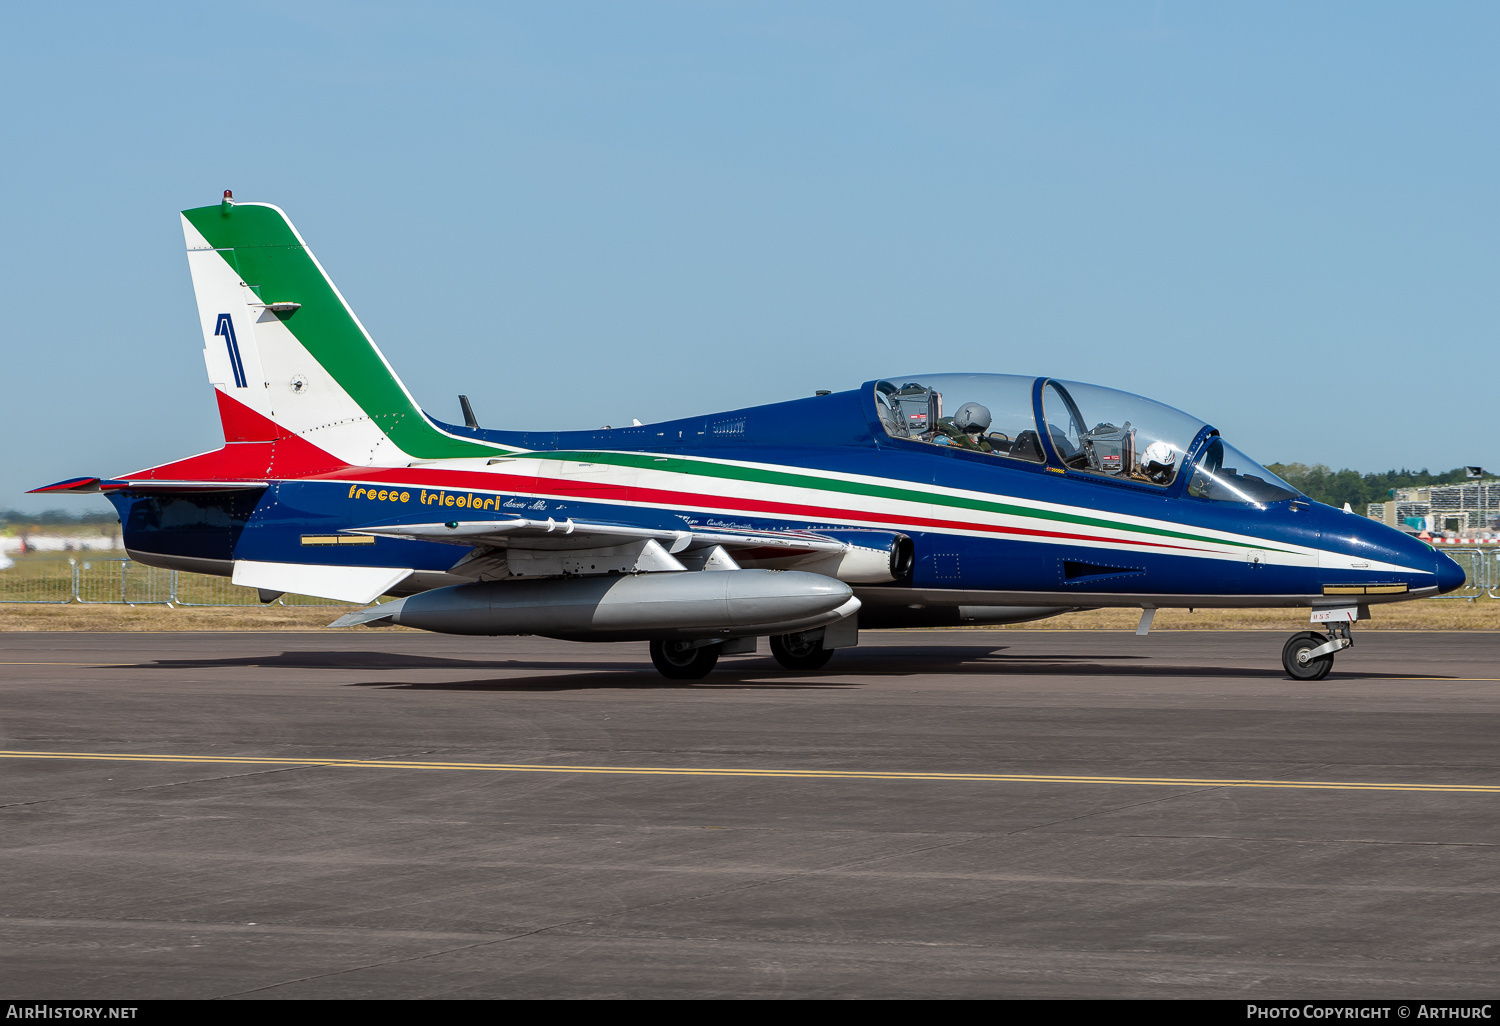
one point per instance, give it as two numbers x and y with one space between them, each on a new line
1077 571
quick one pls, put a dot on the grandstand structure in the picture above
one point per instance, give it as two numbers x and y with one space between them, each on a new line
1470 510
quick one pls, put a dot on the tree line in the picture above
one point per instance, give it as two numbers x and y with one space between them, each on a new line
14 518
1337 487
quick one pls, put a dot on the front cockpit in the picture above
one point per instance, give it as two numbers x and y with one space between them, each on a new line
1079 427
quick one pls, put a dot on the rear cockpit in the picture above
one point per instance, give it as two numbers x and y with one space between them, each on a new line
1080 427
989 413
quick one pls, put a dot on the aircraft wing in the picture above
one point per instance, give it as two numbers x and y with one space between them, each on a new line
527 547
77 485
582 534
782 542
548 534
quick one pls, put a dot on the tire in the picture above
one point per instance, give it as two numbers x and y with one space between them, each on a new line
1317 669
796 653
675 660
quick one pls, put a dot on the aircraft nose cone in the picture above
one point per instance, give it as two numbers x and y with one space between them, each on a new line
1449 574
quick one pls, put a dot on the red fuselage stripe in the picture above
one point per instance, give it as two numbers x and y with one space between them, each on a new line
511 485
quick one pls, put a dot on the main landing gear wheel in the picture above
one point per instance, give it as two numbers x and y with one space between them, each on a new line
679 660
797 652
1292 659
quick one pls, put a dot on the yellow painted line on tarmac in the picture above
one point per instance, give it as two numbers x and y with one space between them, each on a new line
1438 678
687 771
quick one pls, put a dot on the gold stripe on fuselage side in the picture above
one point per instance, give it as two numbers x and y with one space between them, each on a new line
1365 589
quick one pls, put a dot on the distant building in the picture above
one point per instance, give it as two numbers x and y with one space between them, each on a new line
1460 509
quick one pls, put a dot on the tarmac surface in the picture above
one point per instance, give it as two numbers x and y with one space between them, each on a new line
935 814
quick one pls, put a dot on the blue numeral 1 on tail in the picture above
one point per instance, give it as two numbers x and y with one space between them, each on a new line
226 328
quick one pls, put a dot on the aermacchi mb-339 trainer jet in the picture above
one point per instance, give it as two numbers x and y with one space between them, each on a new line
913 500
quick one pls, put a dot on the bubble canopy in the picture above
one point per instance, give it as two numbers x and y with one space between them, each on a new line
1087 428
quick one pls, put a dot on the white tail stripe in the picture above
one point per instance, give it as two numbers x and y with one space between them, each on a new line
253 357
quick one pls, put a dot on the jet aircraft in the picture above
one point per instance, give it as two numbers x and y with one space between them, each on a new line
913 500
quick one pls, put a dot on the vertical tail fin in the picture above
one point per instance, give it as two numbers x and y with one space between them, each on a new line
280 340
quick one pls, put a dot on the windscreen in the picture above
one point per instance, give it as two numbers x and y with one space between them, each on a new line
1224 474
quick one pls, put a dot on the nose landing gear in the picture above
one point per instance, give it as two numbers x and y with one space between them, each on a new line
1308 655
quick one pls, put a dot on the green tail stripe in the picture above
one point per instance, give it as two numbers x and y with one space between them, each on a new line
265 252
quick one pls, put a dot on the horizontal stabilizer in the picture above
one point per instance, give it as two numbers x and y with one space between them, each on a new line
154 487
354 584
75 485
145 486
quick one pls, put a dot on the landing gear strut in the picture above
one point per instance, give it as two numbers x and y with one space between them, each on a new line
684 660
1308 655
799 652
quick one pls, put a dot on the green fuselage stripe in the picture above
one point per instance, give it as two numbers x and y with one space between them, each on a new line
647 461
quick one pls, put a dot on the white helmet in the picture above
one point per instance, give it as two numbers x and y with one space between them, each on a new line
971 418
1157 457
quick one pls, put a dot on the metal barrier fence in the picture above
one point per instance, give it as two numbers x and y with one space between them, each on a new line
1476 572
1481 572
126 582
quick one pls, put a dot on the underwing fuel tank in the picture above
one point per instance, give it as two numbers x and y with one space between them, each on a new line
636 607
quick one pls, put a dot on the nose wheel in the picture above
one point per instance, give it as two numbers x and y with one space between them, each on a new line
1308 655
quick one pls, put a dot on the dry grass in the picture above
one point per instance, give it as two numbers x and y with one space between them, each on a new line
1421 615
1425 615
163 618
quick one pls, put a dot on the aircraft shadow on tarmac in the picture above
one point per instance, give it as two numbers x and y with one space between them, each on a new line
644 679
738 675
922 657
872 662
362 661
357 660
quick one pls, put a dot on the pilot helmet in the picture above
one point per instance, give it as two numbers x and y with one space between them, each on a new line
971 418
1157 458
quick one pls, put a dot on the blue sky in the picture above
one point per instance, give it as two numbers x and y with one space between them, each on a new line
1279 217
